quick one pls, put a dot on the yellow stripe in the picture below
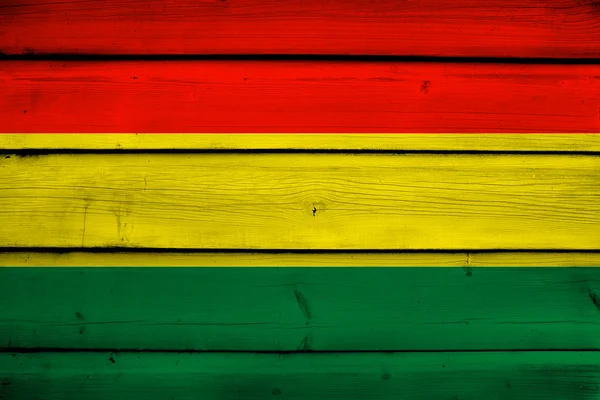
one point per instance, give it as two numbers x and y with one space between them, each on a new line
423 142
78 259
301 201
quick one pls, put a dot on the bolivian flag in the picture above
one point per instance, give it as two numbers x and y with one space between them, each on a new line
248 230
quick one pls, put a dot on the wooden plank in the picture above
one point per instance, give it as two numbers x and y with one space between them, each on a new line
530 375
314 259
297 97
495 28
301 201
319 142
289 309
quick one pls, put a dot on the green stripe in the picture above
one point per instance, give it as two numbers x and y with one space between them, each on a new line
369 376
333 309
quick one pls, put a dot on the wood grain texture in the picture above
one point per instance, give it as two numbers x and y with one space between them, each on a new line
305 259
291 309
458 142
531 375
301 201
495 28
297 97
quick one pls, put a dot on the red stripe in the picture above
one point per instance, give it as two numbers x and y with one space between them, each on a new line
493 28
256 97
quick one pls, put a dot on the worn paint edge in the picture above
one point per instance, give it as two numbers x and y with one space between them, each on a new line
542 142
241 259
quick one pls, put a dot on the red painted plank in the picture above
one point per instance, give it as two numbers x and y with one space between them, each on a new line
349 97
494 28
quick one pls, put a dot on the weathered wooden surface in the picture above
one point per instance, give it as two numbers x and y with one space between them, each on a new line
299 309
425 376
472 321
301 201
297 97
494 28
434 142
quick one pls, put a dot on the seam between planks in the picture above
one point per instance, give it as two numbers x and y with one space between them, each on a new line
294 57
46 350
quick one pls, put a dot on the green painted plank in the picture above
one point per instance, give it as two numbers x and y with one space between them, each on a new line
304 376
335 309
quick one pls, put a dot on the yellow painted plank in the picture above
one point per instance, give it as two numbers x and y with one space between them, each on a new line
82 259
301 201
407 142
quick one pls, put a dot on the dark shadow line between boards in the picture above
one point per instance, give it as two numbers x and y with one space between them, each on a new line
34 350
179 250
33 56
8 153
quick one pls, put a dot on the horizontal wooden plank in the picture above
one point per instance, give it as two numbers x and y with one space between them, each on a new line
554 142
530 375
301 201
304 259
495 28
297 97
289 309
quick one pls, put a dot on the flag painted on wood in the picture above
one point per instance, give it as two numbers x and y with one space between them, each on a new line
300 227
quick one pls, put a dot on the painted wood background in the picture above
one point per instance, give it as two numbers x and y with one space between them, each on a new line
495 28
298 97
246 199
